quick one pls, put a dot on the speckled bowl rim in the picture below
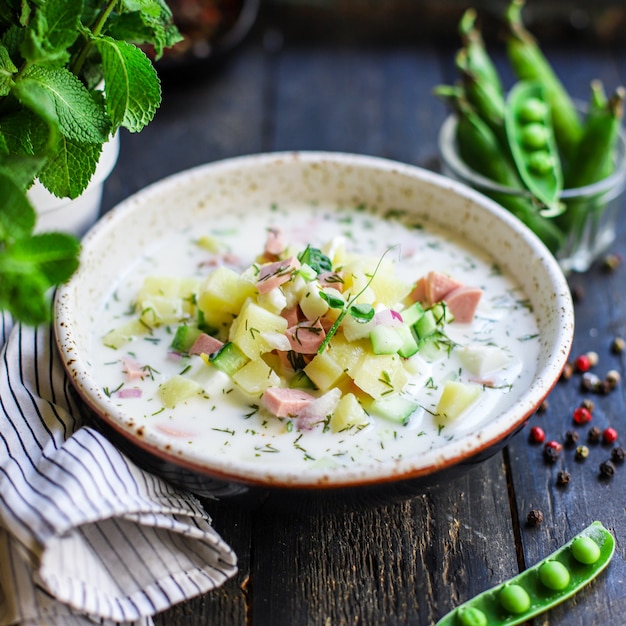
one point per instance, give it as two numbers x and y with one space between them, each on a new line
528 260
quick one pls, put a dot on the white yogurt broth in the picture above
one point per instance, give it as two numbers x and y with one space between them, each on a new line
227 426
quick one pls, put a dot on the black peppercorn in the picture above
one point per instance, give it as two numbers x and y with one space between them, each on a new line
618 454
550 455
607 469
563 478
588 403
594 435
571 437
535 517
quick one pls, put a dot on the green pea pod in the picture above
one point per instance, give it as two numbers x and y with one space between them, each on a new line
481 151
542 586
593 158
533 146
529 63
487 100
478 60
592 162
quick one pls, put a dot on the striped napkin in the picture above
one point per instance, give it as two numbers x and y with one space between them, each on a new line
85 535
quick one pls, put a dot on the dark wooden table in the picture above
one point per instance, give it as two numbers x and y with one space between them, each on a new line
412 561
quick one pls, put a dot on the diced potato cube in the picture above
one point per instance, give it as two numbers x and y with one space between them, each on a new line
481 359
379 374
348 353
312 304
125 333
165 286
248 329
348 414
160 310
353 329
166 299
255 377
324 371
224 291
456 397
178 389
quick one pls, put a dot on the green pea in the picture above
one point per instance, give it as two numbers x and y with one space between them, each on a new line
534 136
514 599
533 110
541 162
585 550
554 575
471 616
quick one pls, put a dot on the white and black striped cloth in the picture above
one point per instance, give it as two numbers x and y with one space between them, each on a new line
86 536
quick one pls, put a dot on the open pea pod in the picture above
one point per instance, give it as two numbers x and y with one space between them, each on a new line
533 146
541 587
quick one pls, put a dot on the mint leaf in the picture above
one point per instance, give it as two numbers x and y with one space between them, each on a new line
17 216
7 69
23 291
159 31
60 98
51 32
132 86
68 172
54 255
21 169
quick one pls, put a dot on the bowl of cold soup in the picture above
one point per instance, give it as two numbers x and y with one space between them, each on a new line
312 322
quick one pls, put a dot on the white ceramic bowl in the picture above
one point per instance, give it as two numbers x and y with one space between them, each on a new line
205 193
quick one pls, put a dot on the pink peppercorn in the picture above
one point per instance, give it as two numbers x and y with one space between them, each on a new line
555 445
609 435
537 434
582 415
583 363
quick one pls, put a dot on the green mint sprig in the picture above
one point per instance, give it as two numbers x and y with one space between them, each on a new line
71 74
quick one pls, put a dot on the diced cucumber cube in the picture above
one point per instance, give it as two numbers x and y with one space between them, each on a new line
442 314
395 408
184 338
411 314
385 340
409 343
431 348
301 381
426 325
229 359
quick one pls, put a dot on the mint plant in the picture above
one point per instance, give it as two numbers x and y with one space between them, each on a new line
72 72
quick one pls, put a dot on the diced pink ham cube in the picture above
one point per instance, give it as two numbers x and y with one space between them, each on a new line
438 286
283 402
132 369
205 344
306 337
275 274
462 303
275 242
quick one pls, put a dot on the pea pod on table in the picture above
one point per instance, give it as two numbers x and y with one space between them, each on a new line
533 146
542 586
529 63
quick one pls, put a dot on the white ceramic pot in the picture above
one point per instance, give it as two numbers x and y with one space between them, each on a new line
78 215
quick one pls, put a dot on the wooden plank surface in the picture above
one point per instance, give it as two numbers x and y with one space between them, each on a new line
408 562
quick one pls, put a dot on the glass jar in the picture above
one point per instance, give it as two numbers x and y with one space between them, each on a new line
597 206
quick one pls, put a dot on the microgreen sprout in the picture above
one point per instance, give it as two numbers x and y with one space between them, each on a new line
359 312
